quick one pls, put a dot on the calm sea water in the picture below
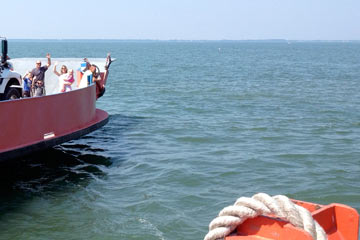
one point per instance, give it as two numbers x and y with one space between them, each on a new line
193 126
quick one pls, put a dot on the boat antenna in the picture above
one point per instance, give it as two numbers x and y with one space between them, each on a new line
4 49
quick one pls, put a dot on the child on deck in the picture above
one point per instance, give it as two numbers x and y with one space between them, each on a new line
68 80
27 80
38 88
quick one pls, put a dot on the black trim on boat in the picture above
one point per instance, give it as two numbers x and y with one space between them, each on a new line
19 152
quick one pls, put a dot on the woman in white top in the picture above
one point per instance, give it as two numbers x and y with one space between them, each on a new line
64 85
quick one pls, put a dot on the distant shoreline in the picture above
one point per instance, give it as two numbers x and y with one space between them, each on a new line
175 40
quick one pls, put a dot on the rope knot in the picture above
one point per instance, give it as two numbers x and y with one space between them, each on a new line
262 204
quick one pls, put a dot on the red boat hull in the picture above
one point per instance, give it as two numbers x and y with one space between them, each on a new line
31 124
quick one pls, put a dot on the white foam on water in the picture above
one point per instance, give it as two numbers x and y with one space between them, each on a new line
22 65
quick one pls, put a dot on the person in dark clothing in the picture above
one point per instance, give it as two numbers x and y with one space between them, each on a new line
39 72
92 75
100 86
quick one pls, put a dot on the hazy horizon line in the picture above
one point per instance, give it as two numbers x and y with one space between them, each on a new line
185 40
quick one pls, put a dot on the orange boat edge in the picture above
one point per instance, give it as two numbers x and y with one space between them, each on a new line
340 222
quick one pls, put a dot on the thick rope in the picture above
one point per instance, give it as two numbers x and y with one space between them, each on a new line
262 204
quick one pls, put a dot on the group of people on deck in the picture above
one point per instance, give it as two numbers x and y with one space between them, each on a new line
34 80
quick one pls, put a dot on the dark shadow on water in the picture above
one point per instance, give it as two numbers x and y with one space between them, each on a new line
64 168
46 172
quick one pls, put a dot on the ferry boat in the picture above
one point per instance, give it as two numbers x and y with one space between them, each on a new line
32 124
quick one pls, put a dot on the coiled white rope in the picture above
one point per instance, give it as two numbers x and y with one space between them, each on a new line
262 204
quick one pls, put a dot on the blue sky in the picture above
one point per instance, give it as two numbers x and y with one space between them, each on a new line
182 19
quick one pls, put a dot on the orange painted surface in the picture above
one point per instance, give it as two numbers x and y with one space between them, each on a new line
27 121
340 222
